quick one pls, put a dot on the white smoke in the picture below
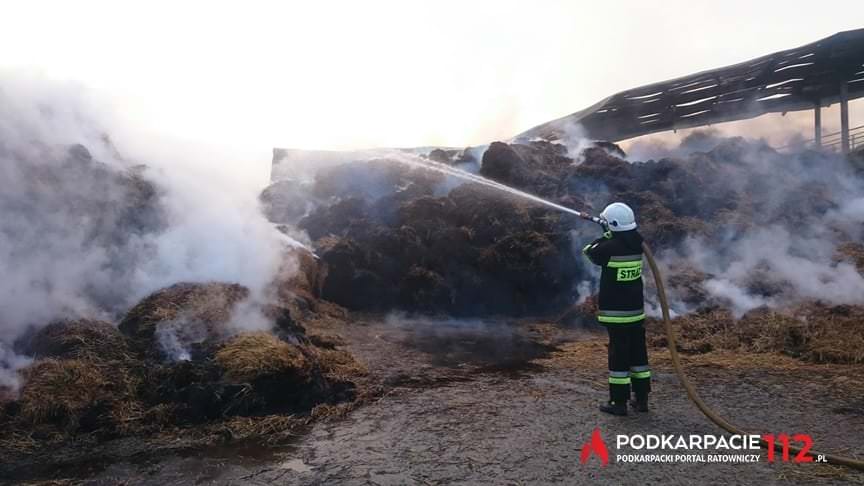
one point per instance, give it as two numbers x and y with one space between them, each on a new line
651 147
213 234
177 335
782 250
70 246
10 363
804 264
571 135
777 246
585 289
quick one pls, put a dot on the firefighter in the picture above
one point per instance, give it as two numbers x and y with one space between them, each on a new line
621 308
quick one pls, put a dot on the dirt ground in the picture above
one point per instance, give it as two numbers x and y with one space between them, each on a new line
480 402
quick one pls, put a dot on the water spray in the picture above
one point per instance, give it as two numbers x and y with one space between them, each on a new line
441 168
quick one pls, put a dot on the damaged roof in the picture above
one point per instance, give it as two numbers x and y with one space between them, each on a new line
790 80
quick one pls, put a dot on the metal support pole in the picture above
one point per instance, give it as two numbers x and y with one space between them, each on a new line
817 125
844 117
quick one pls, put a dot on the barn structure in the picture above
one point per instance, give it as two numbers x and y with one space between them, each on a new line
809 77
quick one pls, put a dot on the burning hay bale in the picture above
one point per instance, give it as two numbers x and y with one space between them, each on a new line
199 310
436 255
74 339
348 281
503 164
599 166
470 249
248 357
72 394
450 248
531 264
534 165
336 219
210 372
87 382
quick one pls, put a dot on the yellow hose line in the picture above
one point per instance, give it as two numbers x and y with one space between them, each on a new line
691 391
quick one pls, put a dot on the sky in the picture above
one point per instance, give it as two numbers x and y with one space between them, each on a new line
353 74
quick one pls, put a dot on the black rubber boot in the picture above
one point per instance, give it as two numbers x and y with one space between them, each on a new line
641 388
613 408
639 404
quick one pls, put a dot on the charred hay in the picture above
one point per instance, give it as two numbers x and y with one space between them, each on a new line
437 256
91 380
468 249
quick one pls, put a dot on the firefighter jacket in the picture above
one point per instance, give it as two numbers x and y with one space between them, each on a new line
621 301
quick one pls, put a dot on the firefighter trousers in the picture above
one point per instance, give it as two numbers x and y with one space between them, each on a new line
628 363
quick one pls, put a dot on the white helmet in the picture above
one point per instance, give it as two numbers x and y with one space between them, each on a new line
619 216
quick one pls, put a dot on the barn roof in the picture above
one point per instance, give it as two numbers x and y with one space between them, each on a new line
790 80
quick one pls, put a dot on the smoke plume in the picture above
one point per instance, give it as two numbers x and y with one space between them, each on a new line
89 226
776 241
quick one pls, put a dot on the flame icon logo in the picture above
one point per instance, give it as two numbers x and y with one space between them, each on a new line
595 446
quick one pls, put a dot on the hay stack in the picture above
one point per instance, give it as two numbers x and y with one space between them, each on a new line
62 392
248 357
389 245
700 332
78 339
338 365
832 334
765 330
812 332
208 303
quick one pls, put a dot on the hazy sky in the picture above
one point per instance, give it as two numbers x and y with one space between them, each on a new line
386 73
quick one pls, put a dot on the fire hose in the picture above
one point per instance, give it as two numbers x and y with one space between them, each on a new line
688 386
